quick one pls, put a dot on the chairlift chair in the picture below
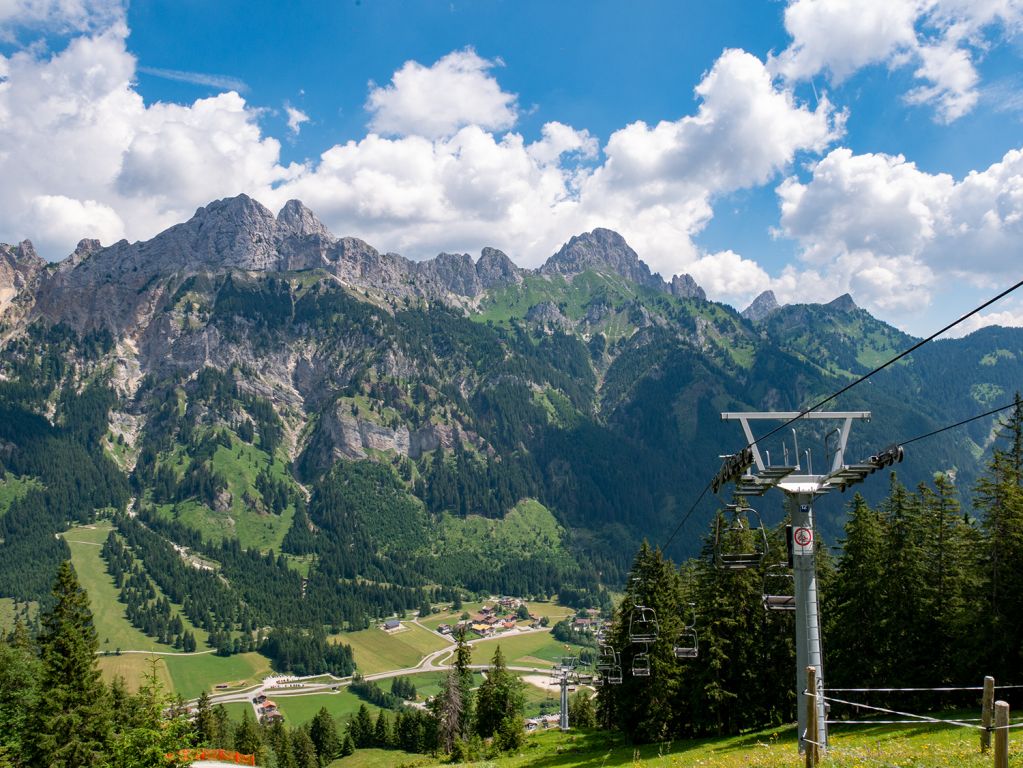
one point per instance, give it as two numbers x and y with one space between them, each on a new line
687 644
741 542
641 665
614 675
607 657
643 625
779 589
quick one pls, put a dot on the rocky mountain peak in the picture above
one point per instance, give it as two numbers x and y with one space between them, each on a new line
495 268
85 248
233 232
295 219
601 249
843 303
454 272
20 267
24 253
761 307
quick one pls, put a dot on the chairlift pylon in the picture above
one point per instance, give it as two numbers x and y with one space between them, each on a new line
741 542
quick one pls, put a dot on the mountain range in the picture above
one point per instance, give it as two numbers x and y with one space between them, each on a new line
246 381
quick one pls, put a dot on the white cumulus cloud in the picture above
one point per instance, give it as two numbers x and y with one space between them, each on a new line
58 16
658 182
91 159
894 235
436 101
940 39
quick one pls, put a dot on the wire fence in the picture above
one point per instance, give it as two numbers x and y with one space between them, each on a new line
907 718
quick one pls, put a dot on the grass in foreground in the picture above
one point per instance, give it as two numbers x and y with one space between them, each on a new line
881 747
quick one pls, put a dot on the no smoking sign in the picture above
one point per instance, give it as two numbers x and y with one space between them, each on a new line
802 539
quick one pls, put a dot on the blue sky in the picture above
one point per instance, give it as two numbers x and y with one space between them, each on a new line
810 147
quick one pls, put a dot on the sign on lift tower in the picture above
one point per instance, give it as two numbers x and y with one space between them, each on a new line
753 477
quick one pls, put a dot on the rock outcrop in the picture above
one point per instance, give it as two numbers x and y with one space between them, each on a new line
20 269
761 307
684 287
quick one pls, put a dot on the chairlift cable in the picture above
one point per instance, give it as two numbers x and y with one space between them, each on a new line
959 423
685 517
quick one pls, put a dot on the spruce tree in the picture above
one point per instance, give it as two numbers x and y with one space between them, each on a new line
463 672
147 734
70 721
362 728
323 732
205 724
856 604
303 749
998 498
580 711
499 697
382 733
19 673
247 738
447 712
280 743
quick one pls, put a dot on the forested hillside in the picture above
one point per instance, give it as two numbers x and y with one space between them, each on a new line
295 430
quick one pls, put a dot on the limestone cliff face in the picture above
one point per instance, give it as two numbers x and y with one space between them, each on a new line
121 286
351 437
20 270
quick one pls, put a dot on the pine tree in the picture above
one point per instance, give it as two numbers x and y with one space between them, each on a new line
19 672
280 743
147 735
247 738
71 722
447 711
857 602
303 749
382 733
580 711
998 498
362 728
463 671
499 697
323 732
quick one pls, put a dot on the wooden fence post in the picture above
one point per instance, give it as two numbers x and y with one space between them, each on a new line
1001 734
812 754
986 712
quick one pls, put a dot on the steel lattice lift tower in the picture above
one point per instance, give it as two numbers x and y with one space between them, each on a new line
753 477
